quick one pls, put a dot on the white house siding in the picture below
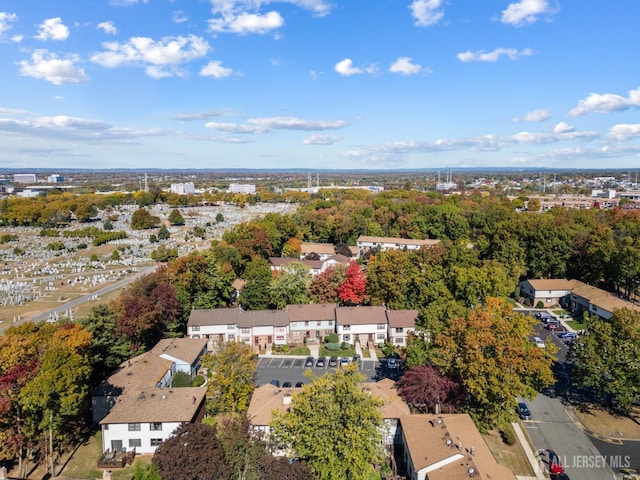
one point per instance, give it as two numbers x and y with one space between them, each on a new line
318 329
119 432
362 333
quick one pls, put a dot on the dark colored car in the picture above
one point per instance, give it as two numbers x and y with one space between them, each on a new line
321 362
299 384
555 327
523 411
555 466
344 361
356 358
286 385
275 383
308 362
559 476
333 362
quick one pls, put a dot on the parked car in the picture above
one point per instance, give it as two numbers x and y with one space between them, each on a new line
333 362
308 362
538 341
344 361
299 384
630 474
321 362
556 327
356 358
559 476
549 318
555 466
392 364
523 411
275 383
568 335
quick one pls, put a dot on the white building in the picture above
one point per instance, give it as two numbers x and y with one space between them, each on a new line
366 243
55 178
183 188
242 188
25 178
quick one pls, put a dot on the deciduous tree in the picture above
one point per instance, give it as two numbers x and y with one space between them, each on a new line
425 388
352 291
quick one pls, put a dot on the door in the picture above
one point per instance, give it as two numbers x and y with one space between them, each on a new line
116 445
269 339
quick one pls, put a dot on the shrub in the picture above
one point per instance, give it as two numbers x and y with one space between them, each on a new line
181 379
332 338
198 381
345 346
334 347
508 435
539 304
285 348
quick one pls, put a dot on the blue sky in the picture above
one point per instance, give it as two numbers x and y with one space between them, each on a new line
333 84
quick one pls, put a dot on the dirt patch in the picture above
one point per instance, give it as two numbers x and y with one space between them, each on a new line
510 456
609 424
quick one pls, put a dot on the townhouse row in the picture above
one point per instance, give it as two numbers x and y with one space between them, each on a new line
298 324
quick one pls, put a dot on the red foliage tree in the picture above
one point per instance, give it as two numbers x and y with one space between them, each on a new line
425 388
324 286
352 291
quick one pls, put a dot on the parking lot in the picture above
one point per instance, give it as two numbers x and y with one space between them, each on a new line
292 369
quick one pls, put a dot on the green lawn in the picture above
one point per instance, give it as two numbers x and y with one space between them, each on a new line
300 351
337 353
575 324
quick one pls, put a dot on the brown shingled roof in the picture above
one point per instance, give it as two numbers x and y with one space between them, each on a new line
266 399
319 248
185 349
157 405
310 312
257 318
402 318
213 316
552 284
394 406
360 315
401 241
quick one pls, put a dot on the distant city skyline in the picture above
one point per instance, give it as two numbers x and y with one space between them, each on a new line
319 84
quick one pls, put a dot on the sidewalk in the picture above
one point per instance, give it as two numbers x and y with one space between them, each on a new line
533 460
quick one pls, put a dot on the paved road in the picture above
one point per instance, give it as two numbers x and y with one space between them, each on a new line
552 428
71 304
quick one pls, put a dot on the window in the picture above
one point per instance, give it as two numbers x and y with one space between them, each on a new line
279 338
280 329
245 330
331 323
381 326
155 427
296 333
399 330
346 327
399 340
155 442
231 338
195 328
346 338
135 442
318 324
293 325
231 327
380 336
306 324
134 427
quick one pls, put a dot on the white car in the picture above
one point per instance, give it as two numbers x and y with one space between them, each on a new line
538 341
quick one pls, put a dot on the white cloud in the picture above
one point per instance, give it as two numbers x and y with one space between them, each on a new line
215 70
6 19
345 67
127 2
426 12
47 66
180 17
494 56
624 131
320 8
159 58
235 128
317 139
404 66
17 38
246 23
526 11
205 115
53 29
539 115
266 124
563 127
606 103
107 27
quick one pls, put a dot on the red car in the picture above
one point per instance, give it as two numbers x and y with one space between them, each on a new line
555 466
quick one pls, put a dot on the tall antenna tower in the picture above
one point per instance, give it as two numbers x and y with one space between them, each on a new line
146 183
309 183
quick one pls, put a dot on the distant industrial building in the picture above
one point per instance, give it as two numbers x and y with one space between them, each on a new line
25 178
242 188
183 188
55 178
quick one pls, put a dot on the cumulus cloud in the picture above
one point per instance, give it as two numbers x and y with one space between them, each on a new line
159 58
107 27
426 12
526 12
53 29
404 66
345 67
606 103
205 115
494 56
180 17
563 127
266 124
318 139
6 19
246 23
215 70
47 66
624 131
539 115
